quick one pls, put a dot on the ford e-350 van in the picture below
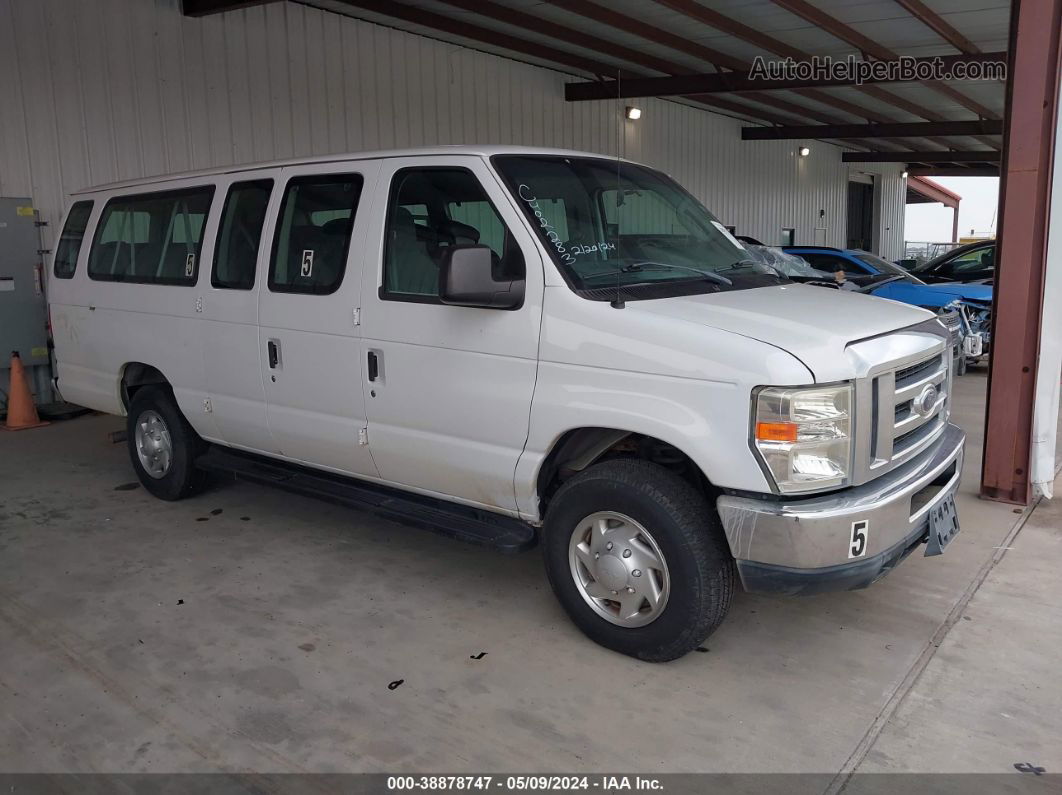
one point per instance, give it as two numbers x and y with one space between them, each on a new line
514 345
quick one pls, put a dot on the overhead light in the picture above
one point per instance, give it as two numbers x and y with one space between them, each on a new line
633 112
804 151
903 175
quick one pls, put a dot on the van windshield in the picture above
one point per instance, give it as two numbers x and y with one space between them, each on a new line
614 227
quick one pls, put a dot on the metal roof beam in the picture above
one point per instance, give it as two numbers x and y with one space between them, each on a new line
505 15
952 171
725 82
871 48
203 8
638 27
898 130
934 21
725 24
920 157
563 58
430 19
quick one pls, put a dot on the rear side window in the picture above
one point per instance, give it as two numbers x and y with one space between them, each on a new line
313 233
152 238
236 252
69 247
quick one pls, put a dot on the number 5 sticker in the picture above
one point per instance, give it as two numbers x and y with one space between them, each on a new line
857 548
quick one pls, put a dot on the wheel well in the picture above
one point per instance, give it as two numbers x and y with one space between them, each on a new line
136 375
578 449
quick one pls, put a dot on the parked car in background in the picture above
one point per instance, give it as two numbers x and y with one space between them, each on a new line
513 345
974 262
967 307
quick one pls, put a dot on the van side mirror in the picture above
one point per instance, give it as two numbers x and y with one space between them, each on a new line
468 276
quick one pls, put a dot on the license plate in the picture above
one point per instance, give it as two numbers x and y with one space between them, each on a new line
943 525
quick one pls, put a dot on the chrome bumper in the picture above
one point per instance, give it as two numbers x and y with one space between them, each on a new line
804 545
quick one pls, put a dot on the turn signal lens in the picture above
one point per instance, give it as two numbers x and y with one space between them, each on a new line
776 431
803 436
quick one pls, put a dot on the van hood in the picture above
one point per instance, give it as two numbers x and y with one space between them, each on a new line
811 323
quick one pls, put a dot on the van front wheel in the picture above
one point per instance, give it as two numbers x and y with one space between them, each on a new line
162 445
638 559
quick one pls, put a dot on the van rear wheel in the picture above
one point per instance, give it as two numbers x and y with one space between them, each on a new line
162 445
638 559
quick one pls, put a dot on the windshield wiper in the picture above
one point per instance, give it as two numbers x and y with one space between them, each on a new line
635 267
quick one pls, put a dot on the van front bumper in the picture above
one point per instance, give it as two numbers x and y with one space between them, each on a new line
803 546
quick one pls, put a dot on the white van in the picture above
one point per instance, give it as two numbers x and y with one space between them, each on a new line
511 345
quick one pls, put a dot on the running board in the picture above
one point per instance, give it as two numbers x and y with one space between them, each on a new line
462 522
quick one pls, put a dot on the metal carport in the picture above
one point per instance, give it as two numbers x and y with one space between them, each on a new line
937 127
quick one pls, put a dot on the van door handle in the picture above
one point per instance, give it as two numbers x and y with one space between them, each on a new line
374 366
273 347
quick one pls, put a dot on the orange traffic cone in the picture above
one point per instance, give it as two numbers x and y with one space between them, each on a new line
21 413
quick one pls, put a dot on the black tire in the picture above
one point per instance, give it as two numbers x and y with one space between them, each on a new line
688 533
181 479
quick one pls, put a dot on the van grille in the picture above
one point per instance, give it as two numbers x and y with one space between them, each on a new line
908 375
902 406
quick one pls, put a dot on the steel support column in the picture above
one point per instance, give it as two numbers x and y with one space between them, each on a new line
1032 109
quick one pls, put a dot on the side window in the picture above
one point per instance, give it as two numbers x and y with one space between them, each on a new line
975 260
236 252
69 247
313 233
152 238
431 210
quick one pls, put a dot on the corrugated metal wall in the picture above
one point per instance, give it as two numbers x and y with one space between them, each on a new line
98 91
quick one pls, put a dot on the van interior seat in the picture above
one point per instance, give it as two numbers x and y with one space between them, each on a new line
410 268
459 234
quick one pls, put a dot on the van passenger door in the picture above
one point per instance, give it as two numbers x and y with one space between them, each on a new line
449 387
309 338
240 257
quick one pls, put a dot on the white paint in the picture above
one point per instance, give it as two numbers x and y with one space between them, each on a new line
1049 368
118 89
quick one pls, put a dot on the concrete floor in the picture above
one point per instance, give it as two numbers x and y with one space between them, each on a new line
247 629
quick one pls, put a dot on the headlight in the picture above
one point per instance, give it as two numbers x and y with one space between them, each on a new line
803 435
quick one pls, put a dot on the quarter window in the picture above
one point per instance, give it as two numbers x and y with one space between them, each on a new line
236 252
151 238
430 211
313 233
69 247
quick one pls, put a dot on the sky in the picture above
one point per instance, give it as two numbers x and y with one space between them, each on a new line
977 211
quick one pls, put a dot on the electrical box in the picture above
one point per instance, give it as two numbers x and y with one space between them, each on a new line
23 312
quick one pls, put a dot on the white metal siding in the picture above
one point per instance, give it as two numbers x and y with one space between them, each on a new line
890 197
116 89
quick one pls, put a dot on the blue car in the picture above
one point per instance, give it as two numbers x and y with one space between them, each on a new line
967 308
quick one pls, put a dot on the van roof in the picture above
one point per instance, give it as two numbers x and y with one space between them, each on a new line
481 151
